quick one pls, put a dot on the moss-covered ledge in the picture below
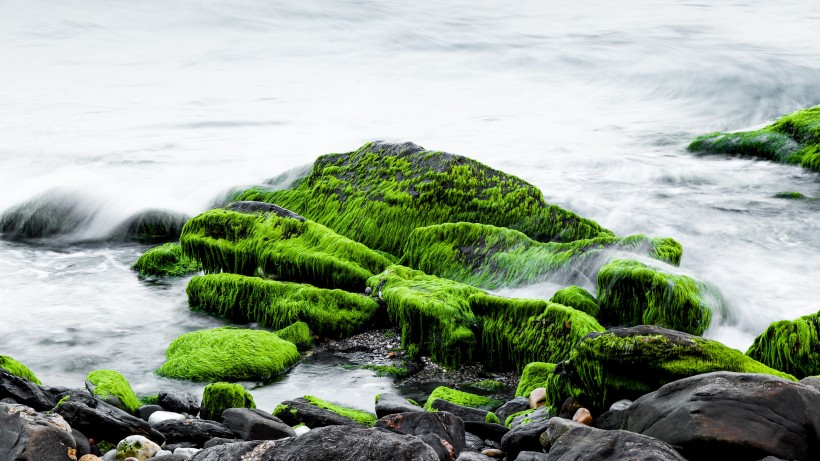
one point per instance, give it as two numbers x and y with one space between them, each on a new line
791 346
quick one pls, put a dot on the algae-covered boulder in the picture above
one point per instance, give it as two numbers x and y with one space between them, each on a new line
462 398
576 298
17 369
793 139
228 354
218 397
315 412
165 260
791 346
250 240
379 193
112 387
151 226
297 333
628 362
632 293
489 256
535 375
330 313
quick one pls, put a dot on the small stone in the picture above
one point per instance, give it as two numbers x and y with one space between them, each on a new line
131 458
538 397
163 453
187 451
301 430
138 447
493 453
160 416
583 416
90 458
621 405
144 412
110 455
391 354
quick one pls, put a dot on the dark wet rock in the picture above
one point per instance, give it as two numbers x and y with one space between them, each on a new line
253 424
235 451
220 441
493 453
262 207
388 404
300 410
443 431
170 457
81 443
555 429
570 406
56 212
541 414
195 431
473 456
101 421
178 402
583 443
145 411
173 446
55 391
532 456
30 436
25 392
465 413
611 420
812 381
523 438
511 407
151 226
473 442
737 416
484 430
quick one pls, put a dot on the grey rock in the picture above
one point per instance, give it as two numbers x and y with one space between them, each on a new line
246 451
584 443
25 392
511 407
144 412
621 405
254 424
541 414
484 430
26 435
101 421
171 457
523 438
389 404
80 443
443 431
473 442
301 411
194 431
178 402
465 413
555 429
219 441
473 456
532 456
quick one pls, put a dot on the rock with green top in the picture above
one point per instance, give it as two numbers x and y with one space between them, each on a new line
165 261
330 313
576 298
136 446
629 362
16 368
218 397
315 412
228 354
793 139
151 226
535 375
791 346
298 333
633 293
113 388
462 398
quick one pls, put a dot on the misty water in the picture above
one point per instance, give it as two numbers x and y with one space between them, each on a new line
122 106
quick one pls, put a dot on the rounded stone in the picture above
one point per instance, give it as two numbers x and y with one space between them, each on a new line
160 416
538 397
89 457
138 447
493 453
583 416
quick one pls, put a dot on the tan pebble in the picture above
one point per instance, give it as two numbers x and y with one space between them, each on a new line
131 458
583 416
538 397
493 453
89 458
391 354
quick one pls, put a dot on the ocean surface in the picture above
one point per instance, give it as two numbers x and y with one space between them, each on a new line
119 106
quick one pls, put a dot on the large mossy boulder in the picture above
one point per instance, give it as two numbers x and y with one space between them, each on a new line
379 193
576 298
535 375
793 139
490 257
228 354
151 226
629 362
633 293
465 399
112 387
791 346
16 368
165 260
329 313
253 239
218 397
297 333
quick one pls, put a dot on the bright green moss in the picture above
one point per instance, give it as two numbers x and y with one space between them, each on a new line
387 370
790 195
152 399
491 257
492 418
462 398
218 397
486 385
509 420
576 298
16 368
791 346
629 362
794 139
165 260
535 375
287 248
330 313
632 293
297 333
110 383
228 354
378 194
359 416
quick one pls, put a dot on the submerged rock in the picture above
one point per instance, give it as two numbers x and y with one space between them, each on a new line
791 346
165 261
151 226
56 212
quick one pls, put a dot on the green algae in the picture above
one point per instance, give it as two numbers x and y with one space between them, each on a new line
509 420
491 418
330 313
379 193
535 375
297 333
792 139
16 368
228 354
165 260
791 346
632 293
361 417
282 247
486 385
790 195
218 397
576 298
110 383
490 257
462 398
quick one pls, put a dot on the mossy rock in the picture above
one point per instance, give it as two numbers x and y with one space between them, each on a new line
151 226
789 195
629 362
490 257
791 346
330 313
379 193
576 298
535 375
632 293
793 139
462 398
361 417
109 383
165 261
486 385
257 238
297 333
218 397
16 368
228 354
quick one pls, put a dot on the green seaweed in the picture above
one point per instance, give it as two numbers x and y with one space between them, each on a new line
228 354
576 298
486 385
16 368
166 261
218 397
298 333
790 195
509 420
791 346
362 417
462 398
632 293
491 418
330 313
535 375
110 383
